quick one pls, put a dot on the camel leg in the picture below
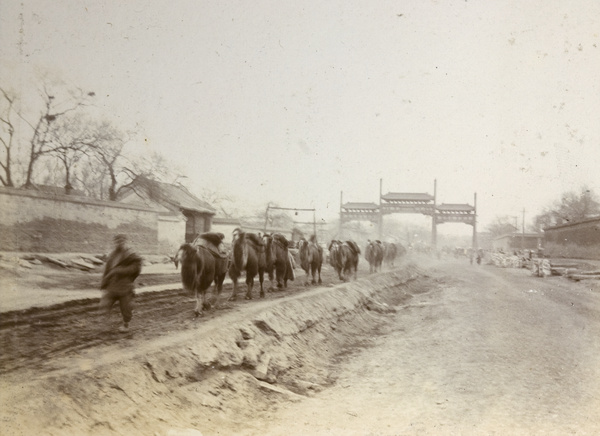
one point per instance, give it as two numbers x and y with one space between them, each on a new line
216 293
250 285
205 302
320 281
261 279
198 309
272 280
235 289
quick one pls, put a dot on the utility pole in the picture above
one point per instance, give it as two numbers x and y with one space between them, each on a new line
475 243
266 217
295 209
523 232
380 210
341 215
434 218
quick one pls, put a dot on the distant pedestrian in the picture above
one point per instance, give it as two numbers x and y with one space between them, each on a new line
123 266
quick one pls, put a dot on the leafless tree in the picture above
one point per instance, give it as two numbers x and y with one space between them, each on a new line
123 170
501 225
91 178
43 138
108 148
572 207
274 217
224 203
73 141
7 136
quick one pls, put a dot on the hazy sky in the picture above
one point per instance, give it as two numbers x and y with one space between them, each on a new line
295 101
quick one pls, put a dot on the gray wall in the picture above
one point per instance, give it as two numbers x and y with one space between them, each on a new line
35 221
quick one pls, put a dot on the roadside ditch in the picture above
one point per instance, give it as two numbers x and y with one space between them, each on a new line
219 373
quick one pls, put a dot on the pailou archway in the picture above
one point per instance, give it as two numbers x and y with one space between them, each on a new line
413 203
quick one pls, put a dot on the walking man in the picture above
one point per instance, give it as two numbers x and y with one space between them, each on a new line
123 266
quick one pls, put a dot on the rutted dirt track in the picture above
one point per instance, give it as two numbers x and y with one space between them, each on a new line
31 338
429 348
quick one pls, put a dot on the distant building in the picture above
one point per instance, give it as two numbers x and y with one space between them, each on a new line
583 233
517 241
485 240
182 215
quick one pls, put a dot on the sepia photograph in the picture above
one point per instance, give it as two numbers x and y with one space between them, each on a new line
370 218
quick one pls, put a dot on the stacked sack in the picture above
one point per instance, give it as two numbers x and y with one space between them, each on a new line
507 261
541 267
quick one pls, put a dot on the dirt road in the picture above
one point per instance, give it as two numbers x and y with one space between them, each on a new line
32 338
486 351
446 348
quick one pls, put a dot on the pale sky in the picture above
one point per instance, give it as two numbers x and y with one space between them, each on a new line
295 101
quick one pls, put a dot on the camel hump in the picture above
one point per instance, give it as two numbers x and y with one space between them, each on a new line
213 242
214 238
353 246
278 237
253 237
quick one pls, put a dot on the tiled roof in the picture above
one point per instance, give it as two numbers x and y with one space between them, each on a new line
455 207
179 196
519 235
407 196
362 206
173 197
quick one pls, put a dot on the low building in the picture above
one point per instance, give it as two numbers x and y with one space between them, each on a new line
517 241
182 216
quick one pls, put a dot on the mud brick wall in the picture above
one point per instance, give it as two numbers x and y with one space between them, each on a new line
35 221
584 234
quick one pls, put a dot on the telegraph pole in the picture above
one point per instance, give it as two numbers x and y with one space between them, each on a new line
380 210
523 231
341 216
434 218
475 222
267 217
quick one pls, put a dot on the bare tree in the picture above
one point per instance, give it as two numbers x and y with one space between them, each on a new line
224 203
108 148
91 177
7 135
572 207
43 139
501 225
122 170
73 140
273 217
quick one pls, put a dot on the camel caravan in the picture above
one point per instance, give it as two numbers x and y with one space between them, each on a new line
206 261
